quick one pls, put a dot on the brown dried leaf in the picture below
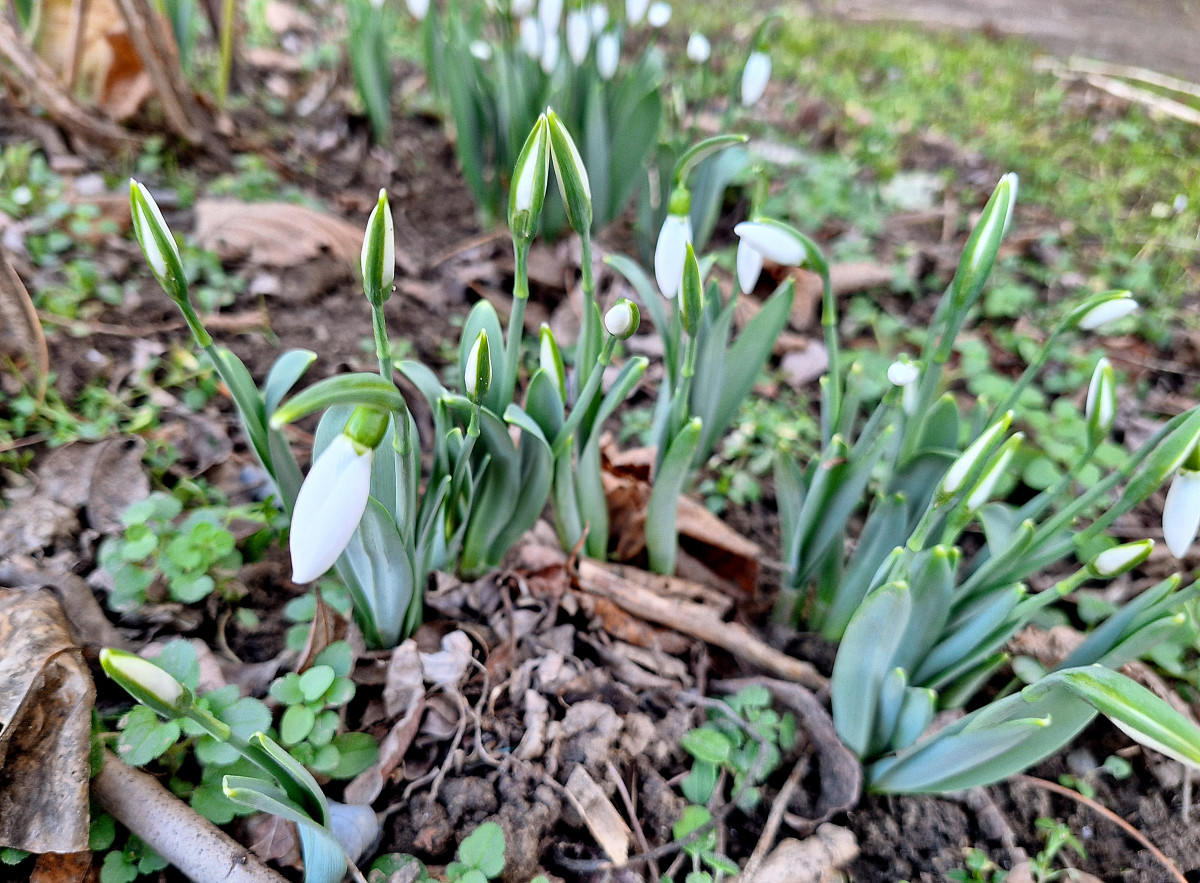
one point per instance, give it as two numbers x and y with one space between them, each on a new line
327 627
46 697
70 867
275 234
105 477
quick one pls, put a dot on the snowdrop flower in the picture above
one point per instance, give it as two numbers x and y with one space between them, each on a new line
622 320
550 50
982 492
1117 307
329 507
158 245
528 192
418 9
905 374
481 49
1101 405
658 14
579 36
635 10
765 239
608 54
755 75
698 48
1120 559
550 15
598 17
530 36
519 8
1181 514
671 249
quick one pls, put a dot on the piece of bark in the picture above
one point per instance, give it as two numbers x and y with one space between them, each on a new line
611 581
600 816
46 698
818 859
87 622
173 829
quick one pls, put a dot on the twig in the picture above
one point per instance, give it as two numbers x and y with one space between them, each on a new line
697 620
173 829
24 72
774 820
1107 813
634 822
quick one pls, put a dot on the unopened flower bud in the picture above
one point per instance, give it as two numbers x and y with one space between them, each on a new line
1120 559
378 259
1101 405
1098 312
635 10
622 320
905 374
551 361
477 373
658 14
146 682
1181 512
158 245
979 254
579 36
691 304
673 239
527 193
961 469
572 176
982 492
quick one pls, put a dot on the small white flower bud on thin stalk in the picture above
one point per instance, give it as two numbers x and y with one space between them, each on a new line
622 319
755 76
984 488
905 374
477 374
698 48
530 36
550 15
1110 309
551 47
635 10
598 17
158 245
378 259
418 9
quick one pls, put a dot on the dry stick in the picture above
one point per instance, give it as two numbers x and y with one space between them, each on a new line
688 617
79 13
1107 813
173 829
774 820
157 52
24 72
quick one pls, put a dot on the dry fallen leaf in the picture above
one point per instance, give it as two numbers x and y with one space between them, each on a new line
275 234
46 697
70 867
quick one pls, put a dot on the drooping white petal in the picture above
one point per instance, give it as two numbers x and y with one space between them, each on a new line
550 50
530 34
698 48
579 36
1181 514
755 76
670 252
598 16
481 49
658 14
772 241
418 9
329 507
1119 559
1108 311
550 15
749 266
635 10
902 373
608 54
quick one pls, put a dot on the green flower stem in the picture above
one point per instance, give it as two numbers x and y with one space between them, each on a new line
586 396
225 65
1031 371
831 403
383 347
588 333
516 319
